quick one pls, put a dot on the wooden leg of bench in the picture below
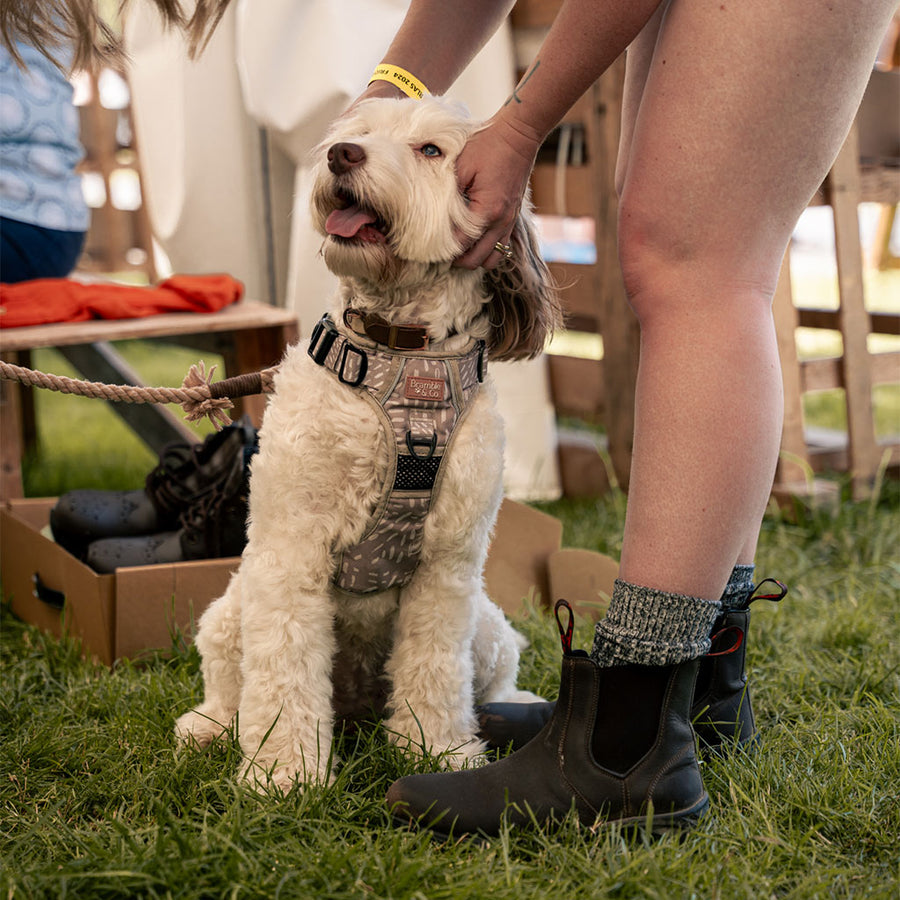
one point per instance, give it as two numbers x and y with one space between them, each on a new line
26 396
11 445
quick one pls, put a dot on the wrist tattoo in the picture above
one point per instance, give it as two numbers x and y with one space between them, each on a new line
515 94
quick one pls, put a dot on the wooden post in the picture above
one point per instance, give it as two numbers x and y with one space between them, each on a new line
843 185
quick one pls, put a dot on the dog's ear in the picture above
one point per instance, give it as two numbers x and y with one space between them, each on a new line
523 299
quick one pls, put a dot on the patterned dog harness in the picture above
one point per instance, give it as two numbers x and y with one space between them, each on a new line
420 399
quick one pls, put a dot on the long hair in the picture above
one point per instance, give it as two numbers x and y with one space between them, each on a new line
525 307
78 25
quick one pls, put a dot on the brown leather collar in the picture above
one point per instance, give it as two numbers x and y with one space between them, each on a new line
395 337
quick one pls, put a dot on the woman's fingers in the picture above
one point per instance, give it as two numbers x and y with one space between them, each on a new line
493 174
485 253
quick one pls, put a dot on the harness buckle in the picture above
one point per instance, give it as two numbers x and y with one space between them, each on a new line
363 365
325 330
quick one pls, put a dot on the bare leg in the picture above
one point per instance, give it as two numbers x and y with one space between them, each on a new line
737 114
742 110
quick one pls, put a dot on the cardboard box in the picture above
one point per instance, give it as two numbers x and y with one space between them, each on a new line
516 571
584 578
116 616
566 191
137 609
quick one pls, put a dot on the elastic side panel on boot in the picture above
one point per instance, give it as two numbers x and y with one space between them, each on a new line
630 699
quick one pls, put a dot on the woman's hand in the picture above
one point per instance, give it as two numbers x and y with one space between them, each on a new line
493 171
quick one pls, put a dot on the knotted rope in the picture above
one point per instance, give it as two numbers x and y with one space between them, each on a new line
198 396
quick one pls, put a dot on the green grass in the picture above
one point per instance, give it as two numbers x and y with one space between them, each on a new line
95 802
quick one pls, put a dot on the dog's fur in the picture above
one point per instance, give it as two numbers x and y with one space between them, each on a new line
283 649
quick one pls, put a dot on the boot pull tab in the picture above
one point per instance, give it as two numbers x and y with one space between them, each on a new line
738 633
565 631
774 595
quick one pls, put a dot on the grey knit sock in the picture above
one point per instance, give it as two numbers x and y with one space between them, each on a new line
739 588
648 627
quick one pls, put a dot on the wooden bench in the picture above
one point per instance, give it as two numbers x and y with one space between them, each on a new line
248 335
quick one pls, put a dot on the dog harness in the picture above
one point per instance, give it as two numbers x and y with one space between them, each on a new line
420 399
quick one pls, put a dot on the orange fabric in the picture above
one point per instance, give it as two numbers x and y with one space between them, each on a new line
46 300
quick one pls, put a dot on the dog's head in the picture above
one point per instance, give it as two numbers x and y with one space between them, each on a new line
386 200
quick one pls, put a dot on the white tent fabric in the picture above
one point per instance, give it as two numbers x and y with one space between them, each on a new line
290 67
199 151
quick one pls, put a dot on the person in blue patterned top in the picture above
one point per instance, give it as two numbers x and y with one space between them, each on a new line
43 214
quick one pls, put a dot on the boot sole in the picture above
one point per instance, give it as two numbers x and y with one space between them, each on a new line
678 823
671 823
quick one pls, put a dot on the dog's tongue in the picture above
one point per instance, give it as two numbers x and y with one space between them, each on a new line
347 222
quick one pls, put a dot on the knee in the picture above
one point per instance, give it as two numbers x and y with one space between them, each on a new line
676 258
652 255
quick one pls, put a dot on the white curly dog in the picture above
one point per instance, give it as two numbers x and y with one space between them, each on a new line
361 585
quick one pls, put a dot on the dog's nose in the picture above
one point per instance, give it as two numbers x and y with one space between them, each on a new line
344 156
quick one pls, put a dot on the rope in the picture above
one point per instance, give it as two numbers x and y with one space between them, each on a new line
197 396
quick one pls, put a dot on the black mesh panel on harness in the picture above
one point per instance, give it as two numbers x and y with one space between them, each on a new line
420 397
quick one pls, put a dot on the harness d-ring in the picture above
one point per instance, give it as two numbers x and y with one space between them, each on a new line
412 443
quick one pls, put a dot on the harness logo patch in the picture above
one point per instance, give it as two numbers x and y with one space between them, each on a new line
424 388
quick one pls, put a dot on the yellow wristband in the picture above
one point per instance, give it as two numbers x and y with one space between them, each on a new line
406 81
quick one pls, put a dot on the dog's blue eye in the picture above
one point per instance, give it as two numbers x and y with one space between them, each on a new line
430 150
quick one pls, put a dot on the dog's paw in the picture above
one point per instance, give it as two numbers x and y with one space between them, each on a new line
198 729
465 756
262 778
452 752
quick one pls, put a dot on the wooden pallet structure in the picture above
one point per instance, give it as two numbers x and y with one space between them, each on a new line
860 453
119 239
602 391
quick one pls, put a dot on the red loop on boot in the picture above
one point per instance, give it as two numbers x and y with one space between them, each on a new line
734 647
775 596
565 632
